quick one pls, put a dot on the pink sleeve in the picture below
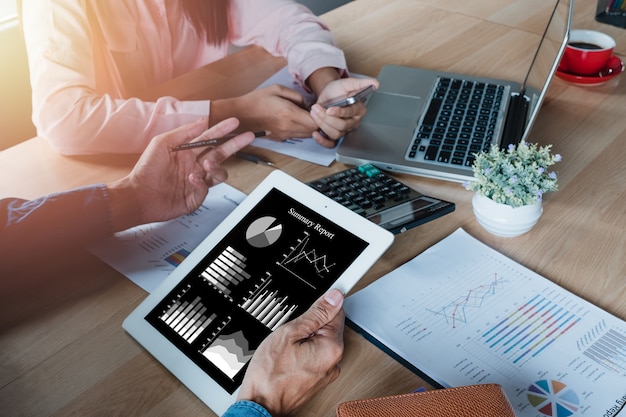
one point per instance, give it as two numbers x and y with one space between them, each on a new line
286 28
77 85
68 109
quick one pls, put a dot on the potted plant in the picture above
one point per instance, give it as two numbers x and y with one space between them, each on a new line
509 185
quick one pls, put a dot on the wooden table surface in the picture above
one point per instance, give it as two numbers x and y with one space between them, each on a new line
62 348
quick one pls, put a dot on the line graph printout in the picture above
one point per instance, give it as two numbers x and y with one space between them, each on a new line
486 319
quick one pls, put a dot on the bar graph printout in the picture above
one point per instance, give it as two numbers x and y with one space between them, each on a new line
486 319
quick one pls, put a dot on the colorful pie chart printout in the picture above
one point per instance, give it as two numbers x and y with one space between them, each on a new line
553 398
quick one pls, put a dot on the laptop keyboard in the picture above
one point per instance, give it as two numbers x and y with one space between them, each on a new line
462 118
373 194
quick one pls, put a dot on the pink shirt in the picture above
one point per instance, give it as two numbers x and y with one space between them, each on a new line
89 58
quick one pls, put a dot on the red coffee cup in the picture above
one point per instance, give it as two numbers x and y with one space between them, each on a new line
587 52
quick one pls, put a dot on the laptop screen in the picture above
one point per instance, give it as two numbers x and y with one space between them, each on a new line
547 58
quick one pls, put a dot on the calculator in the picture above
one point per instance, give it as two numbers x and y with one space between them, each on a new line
372 193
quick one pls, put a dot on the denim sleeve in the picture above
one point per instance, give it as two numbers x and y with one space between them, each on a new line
246 409
54 224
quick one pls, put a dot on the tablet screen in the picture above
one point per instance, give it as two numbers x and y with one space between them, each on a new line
267 270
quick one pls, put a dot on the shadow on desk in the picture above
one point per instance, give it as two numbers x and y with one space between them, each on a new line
49 283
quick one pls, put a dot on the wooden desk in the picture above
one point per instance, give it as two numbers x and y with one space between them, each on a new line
62 347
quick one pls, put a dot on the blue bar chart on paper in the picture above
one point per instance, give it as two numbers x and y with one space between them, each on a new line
486 319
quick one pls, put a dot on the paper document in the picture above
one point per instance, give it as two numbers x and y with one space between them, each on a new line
305 149
462 314
147 254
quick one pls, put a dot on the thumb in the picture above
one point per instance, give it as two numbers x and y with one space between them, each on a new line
322 312
359 83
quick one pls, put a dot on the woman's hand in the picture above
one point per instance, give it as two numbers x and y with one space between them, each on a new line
276 109
335 122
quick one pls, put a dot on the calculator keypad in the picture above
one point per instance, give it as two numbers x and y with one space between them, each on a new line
365 189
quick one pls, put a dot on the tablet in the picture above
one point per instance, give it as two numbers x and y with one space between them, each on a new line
283 247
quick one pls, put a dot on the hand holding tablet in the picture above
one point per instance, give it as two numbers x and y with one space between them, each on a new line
292 365
281 249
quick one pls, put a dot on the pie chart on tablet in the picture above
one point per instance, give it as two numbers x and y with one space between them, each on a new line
263 232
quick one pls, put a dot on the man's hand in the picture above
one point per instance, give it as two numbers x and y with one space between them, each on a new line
298 359
165 184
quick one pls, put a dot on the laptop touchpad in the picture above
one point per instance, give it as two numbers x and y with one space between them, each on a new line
392 109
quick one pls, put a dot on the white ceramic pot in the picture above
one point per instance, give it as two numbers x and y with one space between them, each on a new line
503 220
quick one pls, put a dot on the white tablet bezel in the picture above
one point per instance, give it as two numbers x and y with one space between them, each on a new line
176 361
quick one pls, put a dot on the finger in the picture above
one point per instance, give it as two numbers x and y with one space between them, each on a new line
297 125
331 128
327 134
330 131
215 132
338 117
324 140
333 330
228 148
201 181
184 133
214 173
211 160
356 84
345 87
289 94
222 128
355 110
322 313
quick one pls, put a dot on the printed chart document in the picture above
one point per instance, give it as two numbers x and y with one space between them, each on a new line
147 254
462 313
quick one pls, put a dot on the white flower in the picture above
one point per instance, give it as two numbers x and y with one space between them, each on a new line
515 176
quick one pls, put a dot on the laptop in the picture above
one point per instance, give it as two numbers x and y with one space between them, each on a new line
431 123
265 264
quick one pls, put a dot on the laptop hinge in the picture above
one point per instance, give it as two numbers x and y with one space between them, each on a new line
515 120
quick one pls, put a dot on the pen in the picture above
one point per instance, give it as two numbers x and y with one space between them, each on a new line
209 142
253 158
